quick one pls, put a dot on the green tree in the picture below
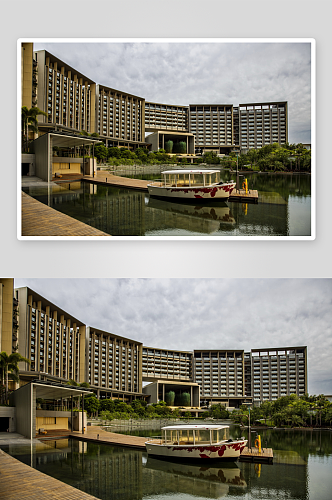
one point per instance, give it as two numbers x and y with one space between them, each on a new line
139 407
210 157
114 152
101 152
91 403
219 411
266 409
9 365
169 146
296 420
29 122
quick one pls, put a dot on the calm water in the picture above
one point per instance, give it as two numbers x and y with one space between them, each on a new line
284 209
301 470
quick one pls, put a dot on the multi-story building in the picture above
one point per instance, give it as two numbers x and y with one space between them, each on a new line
220 375
166 117
113 364
51 338
262 124
278 372
166 364
212 126
120 118
60 348
67 96
75 103
8 316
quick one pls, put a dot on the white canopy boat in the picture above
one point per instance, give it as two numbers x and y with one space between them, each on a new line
191 184
200 442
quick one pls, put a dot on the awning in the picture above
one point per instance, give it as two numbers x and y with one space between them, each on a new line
47 390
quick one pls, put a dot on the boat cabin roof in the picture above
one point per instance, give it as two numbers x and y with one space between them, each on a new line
195 171
194 427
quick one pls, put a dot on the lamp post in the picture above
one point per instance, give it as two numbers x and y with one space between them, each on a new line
237 172
249 431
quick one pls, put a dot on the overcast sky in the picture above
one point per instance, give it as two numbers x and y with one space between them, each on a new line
201 73
188 314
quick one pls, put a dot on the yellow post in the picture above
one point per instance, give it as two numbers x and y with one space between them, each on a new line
246 183
259 444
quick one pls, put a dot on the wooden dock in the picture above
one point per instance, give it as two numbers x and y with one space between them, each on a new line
97 434
18 480
40 220
106 178
253 455
240 196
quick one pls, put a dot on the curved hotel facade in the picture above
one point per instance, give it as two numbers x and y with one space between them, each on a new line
74 103
61 348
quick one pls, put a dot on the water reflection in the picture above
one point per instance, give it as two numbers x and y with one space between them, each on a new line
198 218
283 210
205 481
301 469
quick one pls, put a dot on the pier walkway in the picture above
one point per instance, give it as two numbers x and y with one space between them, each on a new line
18 480
104 177
96 433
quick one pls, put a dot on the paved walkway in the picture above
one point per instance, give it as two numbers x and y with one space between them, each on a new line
40 220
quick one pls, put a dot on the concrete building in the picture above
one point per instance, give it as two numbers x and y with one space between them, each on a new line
61 348
278 372
120 118
113 365
220 375
212 126
67 96
74 103
166 364
261 124
9 320
168 117
52 339
31 419
158 390
158 140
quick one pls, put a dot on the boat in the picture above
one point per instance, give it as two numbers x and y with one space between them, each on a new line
198 442
191 184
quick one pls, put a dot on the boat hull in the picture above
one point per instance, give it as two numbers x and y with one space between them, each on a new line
225 451
222 191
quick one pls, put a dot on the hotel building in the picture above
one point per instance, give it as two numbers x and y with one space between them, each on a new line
212 126
262 124
52 339
75 103
113 364
277 372
61 348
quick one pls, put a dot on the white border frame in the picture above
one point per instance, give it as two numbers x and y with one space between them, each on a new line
312 41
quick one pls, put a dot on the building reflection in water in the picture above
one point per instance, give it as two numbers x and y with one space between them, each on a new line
123 212
113 472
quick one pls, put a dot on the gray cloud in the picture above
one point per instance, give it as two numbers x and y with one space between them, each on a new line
211 73
189 314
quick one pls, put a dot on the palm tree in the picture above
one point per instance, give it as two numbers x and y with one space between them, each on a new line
9 363
29 120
